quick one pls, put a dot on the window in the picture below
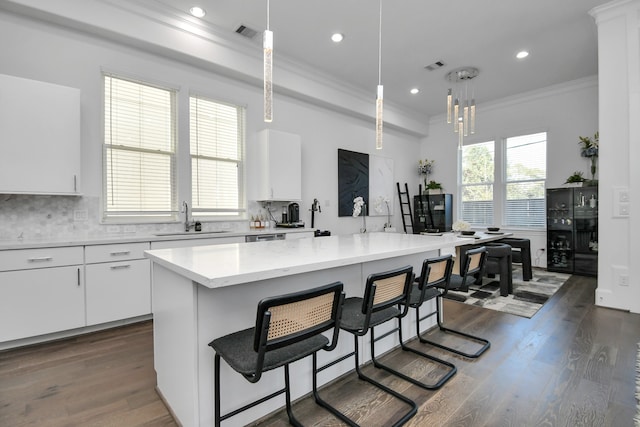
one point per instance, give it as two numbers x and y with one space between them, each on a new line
139 150
217 140
526 172
477 183
503 182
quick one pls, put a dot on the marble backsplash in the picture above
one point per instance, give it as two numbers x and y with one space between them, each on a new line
36 217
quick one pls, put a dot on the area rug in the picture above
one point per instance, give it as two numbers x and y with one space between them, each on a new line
527 298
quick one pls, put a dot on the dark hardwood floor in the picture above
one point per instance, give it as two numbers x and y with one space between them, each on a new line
572 364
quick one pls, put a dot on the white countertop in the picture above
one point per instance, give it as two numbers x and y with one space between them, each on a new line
236 263
133 238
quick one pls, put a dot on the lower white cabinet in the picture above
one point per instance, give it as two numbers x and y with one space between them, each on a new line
118 282
46 297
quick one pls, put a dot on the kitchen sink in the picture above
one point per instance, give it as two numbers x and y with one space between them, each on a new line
189 233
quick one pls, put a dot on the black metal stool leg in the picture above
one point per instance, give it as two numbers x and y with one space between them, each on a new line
451 368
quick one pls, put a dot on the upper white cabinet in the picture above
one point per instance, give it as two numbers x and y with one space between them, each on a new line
280 166
39 137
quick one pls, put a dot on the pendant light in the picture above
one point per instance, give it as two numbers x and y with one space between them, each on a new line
267 45
379 93
461 109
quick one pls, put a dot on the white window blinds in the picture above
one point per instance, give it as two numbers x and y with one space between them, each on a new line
139 150
216 141
526 173
477 182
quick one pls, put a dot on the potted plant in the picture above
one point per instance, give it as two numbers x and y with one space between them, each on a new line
433 187
589 149
575 180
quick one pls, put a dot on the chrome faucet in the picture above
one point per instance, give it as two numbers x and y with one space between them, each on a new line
187 224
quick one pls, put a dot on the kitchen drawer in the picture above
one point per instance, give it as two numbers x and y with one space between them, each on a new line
117 252
25 259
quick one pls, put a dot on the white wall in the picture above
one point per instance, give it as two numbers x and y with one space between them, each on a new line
54 54
563 111
619 85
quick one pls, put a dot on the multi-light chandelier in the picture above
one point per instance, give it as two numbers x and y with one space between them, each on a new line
267 45
461 103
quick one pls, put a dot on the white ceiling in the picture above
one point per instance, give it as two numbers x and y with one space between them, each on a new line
559 34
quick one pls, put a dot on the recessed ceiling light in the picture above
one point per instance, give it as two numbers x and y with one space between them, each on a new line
522 54
337 37
197 11
414 90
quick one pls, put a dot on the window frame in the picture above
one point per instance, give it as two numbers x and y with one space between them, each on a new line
161 216
224 214
500 180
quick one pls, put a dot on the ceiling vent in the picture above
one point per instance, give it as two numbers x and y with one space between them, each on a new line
435 65
247 32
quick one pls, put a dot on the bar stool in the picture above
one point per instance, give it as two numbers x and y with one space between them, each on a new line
520 254
383 295
499 262
473 264
435 273
288 328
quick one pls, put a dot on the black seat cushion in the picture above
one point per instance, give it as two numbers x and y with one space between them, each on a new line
237 350
455 282
353 318
415 299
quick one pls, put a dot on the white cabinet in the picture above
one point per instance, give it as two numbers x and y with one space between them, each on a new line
39 137
280 166
118 282
41 291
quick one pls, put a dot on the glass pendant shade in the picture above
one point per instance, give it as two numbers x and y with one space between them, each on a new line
268 75
472 117
379 121
465 119
449 102
456 114
460 133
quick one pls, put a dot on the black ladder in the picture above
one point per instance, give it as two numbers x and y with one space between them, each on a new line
405 204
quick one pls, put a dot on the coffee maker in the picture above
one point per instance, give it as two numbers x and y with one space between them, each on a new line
294 213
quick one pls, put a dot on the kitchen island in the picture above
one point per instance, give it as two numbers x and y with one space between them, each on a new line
201 293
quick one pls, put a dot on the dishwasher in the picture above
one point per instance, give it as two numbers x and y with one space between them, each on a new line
264 237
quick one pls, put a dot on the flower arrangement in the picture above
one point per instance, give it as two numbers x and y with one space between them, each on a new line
358 206
424 168
589 149
460 225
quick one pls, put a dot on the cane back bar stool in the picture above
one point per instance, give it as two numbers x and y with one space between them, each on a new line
435 273
383 296
288 328
473 266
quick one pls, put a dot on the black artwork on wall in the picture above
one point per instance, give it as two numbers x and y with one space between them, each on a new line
353 180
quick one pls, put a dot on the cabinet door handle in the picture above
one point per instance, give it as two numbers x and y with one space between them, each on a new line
120 253
117 267
40 259
78 277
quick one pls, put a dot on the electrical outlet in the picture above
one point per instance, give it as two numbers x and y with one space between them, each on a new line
113 229
129 228
80 215
620 275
